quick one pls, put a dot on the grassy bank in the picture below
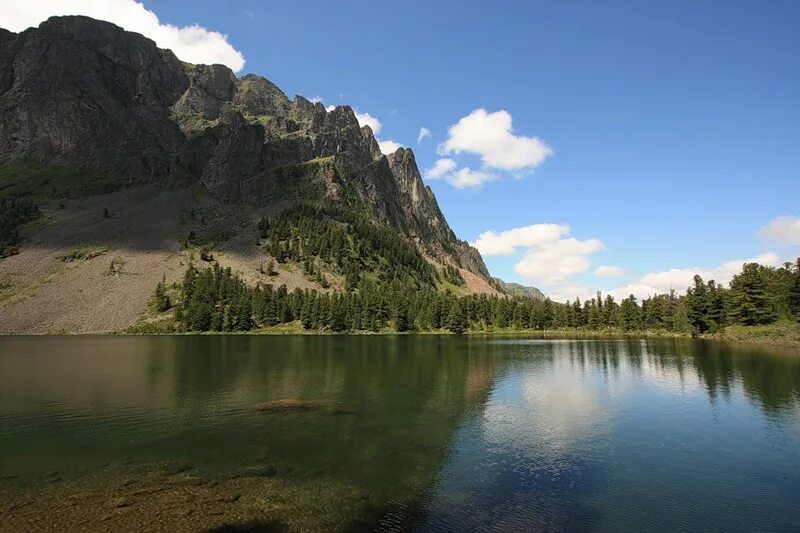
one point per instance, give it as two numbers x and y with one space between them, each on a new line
780 334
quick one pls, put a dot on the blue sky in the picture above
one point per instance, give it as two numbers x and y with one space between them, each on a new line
674 126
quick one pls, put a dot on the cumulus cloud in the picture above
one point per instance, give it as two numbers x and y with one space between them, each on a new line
423 134
553 262
783 230
551 256
681 278
316 100
389 147
193 44
608 271
507 242
440 169
568 290
466 178
365 119
463 178
490 135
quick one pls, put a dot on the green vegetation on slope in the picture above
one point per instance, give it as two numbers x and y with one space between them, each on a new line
214 299
345 243
25 177
24 184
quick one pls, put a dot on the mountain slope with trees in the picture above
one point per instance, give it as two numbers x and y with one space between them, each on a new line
121 166
93 119
214 299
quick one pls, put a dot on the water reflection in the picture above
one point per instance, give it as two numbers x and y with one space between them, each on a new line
637 435
437 433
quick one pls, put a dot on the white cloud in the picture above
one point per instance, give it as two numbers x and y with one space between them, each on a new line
550 258
608 271
681 278
553 262
506 242
463 178
316 100
490 136
567 290
783 230
330 108
388 147
365 119
439 169
466 178
193 44
423 134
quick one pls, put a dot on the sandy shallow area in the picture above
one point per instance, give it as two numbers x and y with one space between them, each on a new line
174 496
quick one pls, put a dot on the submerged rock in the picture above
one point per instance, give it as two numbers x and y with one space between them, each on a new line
172 468
121 501
290 404
265 470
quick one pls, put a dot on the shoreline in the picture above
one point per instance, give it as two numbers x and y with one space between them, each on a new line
781 335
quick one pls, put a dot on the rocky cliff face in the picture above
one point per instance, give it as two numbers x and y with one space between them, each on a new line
85 93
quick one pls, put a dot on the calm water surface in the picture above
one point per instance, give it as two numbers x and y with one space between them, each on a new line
406 433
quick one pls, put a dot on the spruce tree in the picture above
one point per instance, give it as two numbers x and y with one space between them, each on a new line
794 292
750 304
162 298
697 307
456 319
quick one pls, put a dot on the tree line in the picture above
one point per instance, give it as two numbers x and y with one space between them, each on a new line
215 299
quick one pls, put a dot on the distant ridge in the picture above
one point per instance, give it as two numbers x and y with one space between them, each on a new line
515 289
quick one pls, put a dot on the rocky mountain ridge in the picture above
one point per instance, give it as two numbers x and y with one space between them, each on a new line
84 93
516 289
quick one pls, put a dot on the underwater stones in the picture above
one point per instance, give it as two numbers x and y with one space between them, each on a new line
289 404
263 470
120 501
228 497
172 468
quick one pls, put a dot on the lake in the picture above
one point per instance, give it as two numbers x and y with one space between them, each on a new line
427 433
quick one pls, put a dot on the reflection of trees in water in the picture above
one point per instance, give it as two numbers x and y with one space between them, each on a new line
768 378
392 404
771 379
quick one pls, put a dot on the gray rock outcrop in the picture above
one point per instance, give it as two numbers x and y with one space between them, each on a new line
84 93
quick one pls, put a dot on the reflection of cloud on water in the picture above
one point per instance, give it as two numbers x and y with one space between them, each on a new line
548 407
670 377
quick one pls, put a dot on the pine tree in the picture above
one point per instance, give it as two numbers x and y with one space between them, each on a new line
338 315
629 314
697 308
161 297
456 319
750 304
716 307
794 292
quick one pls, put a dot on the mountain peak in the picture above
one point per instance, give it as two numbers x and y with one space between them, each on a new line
88 94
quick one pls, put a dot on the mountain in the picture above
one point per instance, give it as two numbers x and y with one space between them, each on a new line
178 157
515 289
